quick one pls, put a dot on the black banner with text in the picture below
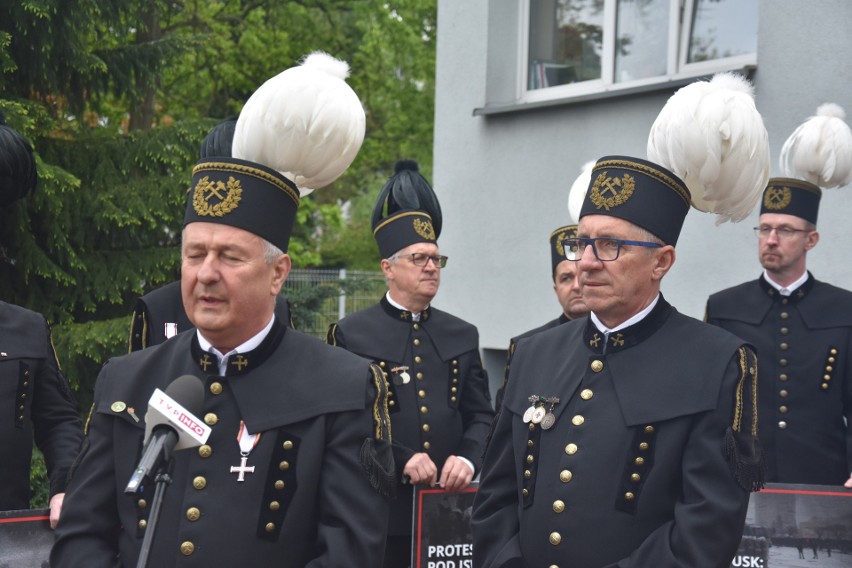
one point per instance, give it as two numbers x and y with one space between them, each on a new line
787 526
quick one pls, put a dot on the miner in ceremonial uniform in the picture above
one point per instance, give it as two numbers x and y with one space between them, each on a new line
159 314
566 284
39 404
627 437
800 326
36 398
294 468
439 405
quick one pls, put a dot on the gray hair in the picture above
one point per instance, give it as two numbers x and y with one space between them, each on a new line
270 251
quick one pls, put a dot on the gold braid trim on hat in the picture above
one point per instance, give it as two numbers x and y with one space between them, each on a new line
654 173
281 183
400 216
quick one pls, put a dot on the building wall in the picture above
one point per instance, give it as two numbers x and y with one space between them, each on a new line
503 179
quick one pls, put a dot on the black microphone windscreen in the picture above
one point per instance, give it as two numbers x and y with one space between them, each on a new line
188 391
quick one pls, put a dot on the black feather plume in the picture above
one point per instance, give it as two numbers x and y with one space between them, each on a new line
18 176
218 141
407 189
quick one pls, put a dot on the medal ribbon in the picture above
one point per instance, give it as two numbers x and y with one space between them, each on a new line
246 441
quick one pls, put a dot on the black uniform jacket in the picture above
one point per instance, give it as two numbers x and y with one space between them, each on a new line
633 472
803 342
513 344
308 501
164 305
36 401
444 408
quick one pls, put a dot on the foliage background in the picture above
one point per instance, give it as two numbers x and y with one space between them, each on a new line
116 96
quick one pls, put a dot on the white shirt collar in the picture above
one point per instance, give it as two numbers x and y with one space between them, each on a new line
635 319
245 347
786 290
415 316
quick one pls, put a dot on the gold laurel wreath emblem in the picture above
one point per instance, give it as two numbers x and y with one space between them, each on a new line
424 229
205 189
559 238
777 198
611 185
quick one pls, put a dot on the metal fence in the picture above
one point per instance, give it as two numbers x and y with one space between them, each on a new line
320 297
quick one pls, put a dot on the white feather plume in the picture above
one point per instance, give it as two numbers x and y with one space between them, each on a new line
578 191
305 122
820 149
711 135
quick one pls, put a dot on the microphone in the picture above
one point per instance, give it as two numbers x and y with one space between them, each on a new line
170 425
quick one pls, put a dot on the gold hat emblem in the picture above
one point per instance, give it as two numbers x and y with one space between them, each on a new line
609 192
424 229
559 238
777 198
224 203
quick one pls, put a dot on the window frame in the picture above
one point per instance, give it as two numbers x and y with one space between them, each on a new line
678 71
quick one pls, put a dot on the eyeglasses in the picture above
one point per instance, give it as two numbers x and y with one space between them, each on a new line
420 259
605 248
784 233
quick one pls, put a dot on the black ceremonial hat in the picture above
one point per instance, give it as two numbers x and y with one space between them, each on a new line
219 140
407 210
557 253
245 195
791 197
641 192
18 176
402 229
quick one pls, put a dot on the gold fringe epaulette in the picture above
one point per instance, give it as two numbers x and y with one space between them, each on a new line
742 448
376 453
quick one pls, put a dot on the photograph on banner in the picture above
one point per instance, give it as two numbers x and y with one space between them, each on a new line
442 537
25 538
788 526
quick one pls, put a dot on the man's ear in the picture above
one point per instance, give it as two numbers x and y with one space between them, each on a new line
812 240
664 259
386 269
280 271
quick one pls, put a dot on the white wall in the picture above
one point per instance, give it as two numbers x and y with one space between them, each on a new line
503 179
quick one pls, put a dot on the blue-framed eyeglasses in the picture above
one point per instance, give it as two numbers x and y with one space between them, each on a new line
605 248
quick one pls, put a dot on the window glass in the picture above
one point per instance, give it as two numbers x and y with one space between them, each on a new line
566 41
722 28
642 42
580 47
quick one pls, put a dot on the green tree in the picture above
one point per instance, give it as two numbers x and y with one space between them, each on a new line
116 98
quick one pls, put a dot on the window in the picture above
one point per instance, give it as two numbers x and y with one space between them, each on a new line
580 47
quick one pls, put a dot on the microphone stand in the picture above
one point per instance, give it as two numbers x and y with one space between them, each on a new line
162 480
